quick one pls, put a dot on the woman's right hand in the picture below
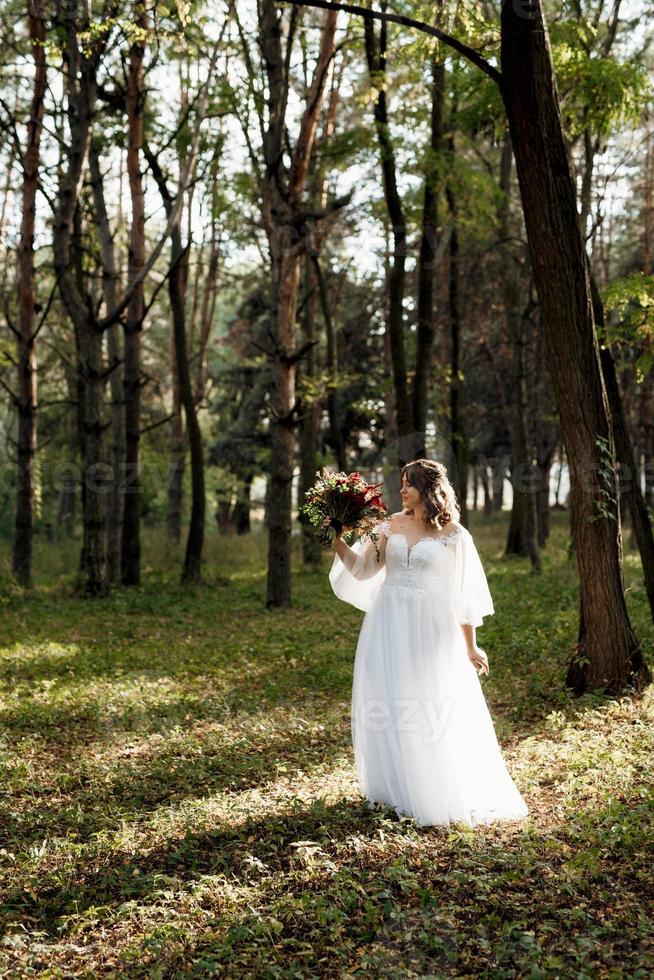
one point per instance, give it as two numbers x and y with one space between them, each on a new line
338 535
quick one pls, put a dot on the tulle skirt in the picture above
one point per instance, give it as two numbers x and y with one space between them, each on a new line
423 738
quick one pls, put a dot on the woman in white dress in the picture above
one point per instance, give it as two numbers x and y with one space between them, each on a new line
423 738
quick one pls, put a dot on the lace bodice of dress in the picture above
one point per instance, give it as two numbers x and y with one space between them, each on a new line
426 566
446 566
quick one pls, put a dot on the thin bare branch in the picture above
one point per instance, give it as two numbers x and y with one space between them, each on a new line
464 50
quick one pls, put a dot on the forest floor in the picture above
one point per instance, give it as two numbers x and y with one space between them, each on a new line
178 796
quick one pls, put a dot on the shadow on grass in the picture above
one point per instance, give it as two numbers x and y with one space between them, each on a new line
439 902
99 797
102 878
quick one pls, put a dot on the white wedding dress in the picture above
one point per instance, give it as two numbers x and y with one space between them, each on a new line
423 738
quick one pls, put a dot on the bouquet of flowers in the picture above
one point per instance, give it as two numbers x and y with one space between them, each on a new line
343 502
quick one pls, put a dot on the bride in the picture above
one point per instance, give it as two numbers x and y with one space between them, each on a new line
423 738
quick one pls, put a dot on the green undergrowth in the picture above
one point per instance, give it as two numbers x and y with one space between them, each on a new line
178 795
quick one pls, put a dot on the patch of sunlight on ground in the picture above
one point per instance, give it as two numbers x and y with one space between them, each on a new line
24 651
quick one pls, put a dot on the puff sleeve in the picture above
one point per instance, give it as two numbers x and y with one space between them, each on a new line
358 579
473 598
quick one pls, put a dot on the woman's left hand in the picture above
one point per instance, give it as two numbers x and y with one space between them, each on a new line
479 660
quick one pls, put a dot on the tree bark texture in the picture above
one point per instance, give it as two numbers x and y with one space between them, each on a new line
459 447
192 570
607 654
115 368
285 227
427 259
81 94
376 58
133 323
26 337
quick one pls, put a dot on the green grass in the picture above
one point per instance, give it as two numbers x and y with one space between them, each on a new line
178 795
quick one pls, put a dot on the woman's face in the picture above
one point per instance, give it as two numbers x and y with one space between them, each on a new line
410 496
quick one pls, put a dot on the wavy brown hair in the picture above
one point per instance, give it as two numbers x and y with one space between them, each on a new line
437 493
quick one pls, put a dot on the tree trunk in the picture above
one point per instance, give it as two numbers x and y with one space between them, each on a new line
521 539
646 453
333 400
310 416
241 515
65 508
81 91
177 452
391 455
133 324
117 448
376 57
282 213
543 500
68 472
427 259
192 571
607 654
93 563
559 478
210 291
482 469
26 339
633 495
90 401
286 269
459 446
498 476
224 518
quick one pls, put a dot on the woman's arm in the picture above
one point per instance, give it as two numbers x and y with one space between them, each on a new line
363 564
344 552
475 653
